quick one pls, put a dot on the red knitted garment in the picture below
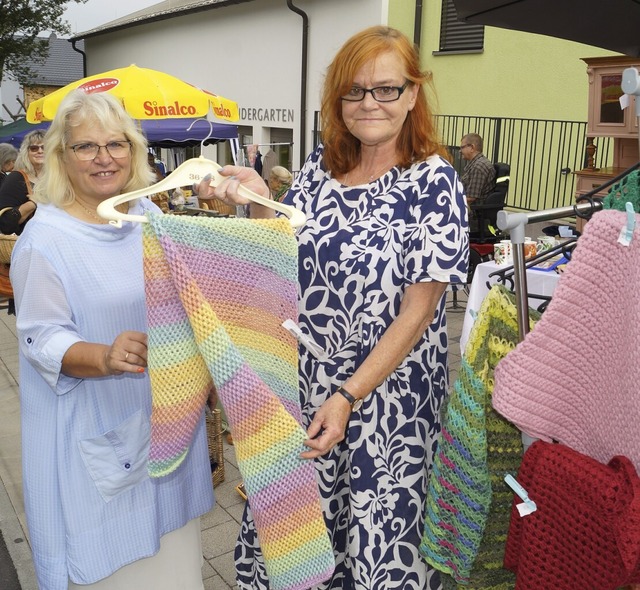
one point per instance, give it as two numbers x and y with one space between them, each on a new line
586 531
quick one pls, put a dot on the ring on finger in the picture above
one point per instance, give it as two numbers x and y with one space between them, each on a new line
126 357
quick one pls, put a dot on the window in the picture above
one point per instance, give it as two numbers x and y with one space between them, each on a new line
456 35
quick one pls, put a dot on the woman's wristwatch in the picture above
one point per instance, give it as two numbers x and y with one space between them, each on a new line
355 402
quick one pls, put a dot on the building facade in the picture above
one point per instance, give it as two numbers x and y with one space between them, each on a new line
270 57
249 51
252 51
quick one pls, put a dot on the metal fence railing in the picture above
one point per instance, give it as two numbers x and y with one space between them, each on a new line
543 154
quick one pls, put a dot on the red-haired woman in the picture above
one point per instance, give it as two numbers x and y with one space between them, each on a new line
386 233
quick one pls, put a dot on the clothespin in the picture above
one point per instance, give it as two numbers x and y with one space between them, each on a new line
626 232
528 506
315 349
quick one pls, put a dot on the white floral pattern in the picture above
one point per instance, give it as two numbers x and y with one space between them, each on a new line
360 248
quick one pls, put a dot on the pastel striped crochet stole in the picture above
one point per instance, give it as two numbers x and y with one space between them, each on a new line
217 293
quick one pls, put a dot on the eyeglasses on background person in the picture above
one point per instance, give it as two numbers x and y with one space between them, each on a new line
36 148
465 145
379 93
89 151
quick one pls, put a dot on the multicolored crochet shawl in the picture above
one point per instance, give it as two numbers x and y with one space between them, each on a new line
468 503
217 292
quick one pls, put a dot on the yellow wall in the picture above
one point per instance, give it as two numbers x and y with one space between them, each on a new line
401 15
517 75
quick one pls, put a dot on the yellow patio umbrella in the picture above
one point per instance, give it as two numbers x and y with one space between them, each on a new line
144 93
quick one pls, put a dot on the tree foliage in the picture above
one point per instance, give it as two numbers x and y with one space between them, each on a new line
21 24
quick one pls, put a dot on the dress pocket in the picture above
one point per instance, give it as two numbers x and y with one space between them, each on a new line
117 460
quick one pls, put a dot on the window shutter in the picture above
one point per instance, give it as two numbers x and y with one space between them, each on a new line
456 35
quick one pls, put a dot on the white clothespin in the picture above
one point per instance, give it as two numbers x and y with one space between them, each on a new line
528 506
626 232
315 349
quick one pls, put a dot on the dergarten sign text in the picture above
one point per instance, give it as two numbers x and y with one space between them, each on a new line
267 115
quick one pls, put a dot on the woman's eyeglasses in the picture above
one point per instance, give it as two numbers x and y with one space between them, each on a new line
379 93
36 148
89 151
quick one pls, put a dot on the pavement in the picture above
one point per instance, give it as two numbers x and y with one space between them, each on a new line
219 527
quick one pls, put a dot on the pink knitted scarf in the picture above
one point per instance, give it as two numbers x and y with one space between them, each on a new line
575 378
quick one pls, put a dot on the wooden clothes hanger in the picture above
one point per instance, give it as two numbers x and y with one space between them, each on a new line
193 170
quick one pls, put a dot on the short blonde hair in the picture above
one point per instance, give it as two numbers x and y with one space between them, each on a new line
100 109
281 175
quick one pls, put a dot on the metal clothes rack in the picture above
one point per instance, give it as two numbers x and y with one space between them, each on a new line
244 145
515 224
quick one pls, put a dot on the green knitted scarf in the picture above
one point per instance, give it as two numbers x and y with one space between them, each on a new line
468 503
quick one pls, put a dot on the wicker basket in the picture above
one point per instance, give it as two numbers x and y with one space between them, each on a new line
214 438
222 208
162 200
6 246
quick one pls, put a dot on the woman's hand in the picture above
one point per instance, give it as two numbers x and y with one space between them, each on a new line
127 354
227 191
328 426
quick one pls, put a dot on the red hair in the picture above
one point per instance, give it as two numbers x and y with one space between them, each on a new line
418 137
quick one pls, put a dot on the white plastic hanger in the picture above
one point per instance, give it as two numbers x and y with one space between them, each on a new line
193 170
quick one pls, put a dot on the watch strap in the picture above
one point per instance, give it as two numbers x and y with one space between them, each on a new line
354 402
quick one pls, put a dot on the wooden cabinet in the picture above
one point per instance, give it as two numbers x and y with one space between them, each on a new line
588 179
607 119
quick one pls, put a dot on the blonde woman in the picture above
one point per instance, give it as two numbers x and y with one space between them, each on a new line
96 520
16 190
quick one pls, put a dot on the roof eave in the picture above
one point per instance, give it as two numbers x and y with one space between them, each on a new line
156 17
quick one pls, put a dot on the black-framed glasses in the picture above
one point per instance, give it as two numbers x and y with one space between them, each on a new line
466 145
89 151
379 93
36 148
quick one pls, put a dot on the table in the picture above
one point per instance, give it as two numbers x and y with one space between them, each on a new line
539 282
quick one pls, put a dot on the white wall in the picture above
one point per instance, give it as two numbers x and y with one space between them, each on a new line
10 92
250 53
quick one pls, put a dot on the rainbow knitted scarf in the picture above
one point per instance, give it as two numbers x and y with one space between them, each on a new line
217 292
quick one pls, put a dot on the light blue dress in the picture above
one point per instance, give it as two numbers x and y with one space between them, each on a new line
90 505
360 248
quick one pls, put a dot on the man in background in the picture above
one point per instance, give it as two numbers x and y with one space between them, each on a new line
478 176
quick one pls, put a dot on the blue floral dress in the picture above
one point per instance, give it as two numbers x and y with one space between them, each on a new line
360 249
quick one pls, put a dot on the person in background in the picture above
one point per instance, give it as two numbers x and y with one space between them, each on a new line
17 189
155 167
386 233
479 175
280 180
8 155
96 520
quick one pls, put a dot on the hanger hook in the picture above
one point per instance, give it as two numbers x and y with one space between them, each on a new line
210 134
